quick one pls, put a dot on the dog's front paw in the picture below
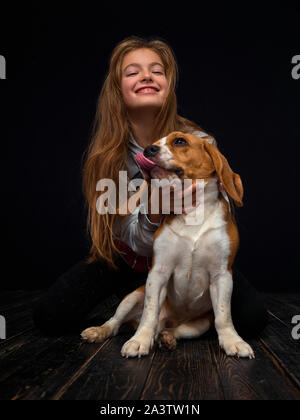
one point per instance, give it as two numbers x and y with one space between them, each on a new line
236 347
97 334
136 347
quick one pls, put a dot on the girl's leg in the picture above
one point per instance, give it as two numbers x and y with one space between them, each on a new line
65 305
248 310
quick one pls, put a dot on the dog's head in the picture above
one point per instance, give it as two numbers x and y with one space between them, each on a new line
186 156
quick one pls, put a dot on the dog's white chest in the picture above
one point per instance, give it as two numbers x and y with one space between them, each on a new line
213 226
194 252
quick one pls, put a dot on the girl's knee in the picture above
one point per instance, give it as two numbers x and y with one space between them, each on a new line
50 320
251 323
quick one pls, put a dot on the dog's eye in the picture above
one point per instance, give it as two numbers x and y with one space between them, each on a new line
180 141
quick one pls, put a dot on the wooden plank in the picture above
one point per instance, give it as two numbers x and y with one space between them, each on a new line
57 375
281 310
257 379
17 321
26 361
17 311
292 299
187 373
45 362
7 347
11 296
20 359
77 359
277 338
109 376
13 299
33 366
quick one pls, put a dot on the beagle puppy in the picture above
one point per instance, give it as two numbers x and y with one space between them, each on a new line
189 285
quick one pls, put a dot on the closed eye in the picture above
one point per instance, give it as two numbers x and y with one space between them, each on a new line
180 141
154 72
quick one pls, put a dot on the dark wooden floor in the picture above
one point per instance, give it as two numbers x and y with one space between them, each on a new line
33 366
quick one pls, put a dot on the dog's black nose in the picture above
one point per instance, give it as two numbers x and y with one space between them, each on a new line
151 151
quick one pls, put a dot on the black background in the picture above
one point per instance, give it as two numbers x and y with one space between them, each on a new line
235 81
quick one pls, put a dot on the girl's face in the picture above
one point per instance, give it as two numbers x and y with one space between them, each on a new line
144 83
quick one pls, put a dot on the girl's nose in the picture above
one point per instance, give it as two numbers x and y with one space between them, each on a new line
146 75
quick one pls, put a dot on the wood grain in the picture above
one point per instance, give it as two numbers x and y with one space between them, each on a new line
37 367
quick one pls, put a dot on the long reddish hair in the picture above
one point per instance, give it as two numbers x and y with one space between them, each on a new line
107 151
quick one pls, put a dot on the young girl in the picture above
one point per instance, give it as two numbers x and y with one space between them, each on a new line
136 107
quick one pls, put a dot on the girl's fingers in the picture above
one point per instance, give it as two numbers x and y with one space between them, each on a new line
182 200
189 209
191 190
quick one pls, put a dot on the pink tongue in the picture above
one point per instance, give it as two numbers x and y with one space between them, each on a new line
144 162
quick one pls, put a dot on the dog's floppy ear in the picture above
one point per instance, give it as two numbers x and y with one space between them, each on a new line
230 180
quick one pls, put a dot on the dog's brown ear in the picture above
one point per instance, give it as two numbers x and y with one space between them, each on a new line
230 180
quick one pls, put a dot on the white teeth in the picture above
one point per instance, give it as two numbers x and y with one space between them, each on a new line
146 90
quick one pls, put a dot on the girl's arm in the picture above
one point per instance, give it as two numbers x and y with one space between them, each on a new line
137 231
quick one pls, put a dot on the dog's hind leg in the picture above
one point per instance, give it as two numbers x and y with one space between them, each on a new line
130 309
168 337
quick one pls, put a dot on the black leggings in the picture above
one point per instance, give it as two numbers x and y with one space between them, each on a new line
66 305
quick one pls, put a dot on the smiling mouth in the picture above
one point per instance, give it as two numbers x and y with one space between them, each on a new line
147 90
